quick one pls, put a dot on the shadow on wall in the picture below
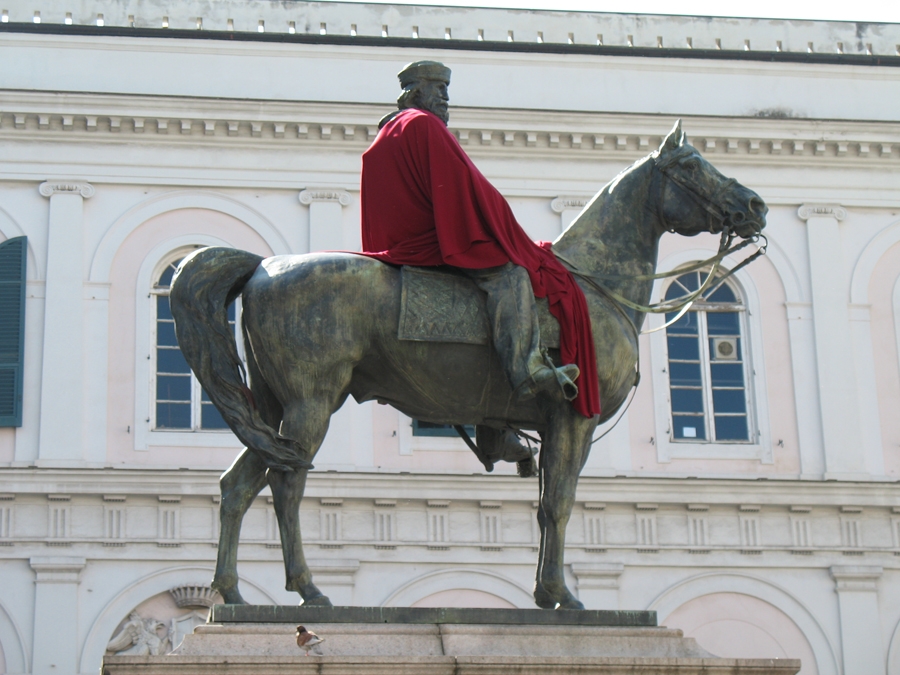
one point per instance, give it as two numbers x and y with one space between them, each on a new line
734 625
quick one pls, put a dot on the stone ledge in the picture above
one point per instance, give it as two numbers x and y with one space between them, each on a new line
444 615
442 665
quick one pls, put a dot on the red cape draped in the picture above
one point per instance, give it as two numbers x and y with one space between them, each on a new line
425 203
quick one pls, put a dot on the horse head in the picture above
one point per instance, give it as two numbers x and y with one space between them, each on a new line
695 197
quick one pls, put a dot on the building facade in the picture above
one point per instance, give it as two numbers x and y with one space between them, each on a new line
749 493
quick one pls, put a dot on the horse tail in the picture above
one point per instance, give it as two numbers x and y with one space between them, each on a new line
206 282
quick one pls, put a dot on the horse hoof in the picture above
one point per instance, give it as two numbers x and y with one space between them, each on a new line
319 601
231 596
543 599
571 604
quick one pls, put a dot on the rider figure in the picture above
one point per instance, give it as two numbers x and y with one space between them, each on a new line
425 222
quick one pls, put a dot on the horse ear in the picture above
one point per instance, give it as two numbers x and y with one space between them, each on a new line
675 139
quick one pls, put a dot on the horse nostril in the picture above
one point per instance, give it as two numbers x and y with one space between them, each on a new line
758 206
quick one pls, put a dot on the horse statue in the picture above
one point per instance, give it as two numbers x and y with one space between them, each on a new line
320 327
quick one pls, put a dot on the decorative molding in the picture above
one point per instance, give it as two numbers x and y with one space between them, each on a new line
194 596
55 187
856 577
835 211
57 570
310 195
595 576
561 203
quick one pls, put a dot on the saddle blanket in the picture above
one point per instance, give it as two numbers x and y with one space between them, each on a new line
442 305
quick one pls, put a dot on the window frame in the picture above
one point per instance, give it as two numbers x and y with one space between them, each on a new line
759 446
145 436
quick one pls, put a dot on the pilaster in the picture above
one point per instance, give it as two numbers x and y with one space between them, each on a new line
62 374
56 614
326 207
857 590
806 389
568 207
598 584
842 435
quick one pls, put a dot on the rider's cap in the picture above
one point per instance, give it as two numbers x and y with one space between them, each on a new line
423 70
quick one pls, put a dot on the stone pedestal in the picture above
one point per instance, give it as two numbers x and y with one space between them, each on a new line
441 642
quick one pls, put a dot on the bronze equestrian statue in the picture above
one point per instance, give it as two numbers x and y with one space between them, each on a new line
320 327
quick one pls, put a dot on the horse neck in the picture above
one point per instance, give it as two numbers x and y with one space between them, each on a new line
618 234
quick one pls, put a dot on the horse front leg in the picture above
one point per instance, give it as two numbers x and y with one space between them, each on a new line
239 484
563 452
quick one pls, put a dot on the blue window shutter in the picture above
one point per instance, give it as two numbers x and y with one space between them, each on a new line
12 329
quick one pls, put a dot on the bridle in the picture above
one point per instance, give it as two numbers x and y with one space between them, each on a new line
727 246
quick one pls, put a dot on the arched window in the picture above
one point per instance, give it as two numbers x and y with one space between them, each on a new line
180 403
707 365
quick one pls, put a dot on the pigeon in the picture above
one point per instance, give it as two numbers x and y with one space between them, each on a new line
307 640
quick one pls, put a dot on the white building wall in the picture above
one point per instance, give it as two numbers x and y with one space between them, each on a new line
174 141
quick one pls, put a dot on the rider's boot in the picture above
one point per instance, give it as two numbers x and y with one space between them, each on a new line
516 334
502 445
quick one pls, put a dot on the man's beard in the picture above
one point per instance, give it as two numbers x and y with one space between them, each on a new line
437 105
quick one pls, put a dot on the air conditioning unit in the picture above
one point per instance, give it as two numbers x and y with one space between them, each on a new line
725 349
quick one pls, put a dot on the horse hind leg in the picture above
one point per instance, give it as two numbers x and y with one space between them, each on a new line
305 421
240 485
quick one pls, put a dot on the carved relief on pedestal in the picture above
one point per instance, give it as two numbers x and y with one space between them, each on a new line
158 625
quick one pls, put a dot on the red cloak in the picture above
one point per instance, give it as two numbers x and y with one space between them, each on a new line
425 203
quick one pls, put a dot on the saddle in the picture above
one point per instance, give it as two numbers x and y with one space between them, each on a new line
442 305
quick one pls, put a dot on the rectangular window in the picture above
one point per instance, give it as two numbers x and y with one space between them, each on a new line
421 428
181 404
12 329
708 369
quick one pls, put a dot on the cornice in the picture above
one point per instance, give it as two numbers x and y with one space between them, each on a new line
101 118
692 493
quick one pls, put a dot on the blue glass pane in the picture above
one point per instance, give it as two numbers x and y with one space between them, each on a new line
231 312
165 334
690 281
170 360
165 279
210 418
729 401
722 294
686 325
732 428
162 307
173 387
684 348
204 396
727 374
687 401
723 323
684 374
173 415
689 427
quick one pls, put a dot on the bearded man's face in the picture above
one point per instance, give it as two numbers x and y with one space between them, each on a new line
432 95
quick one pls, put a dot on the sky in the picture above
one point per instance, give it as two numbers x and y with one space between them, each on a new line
876 11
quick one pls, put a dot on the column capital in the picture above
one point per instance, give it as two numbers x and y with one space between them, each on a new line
567 202
856 577
310 195
65 187
807 211
57 570
597 575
